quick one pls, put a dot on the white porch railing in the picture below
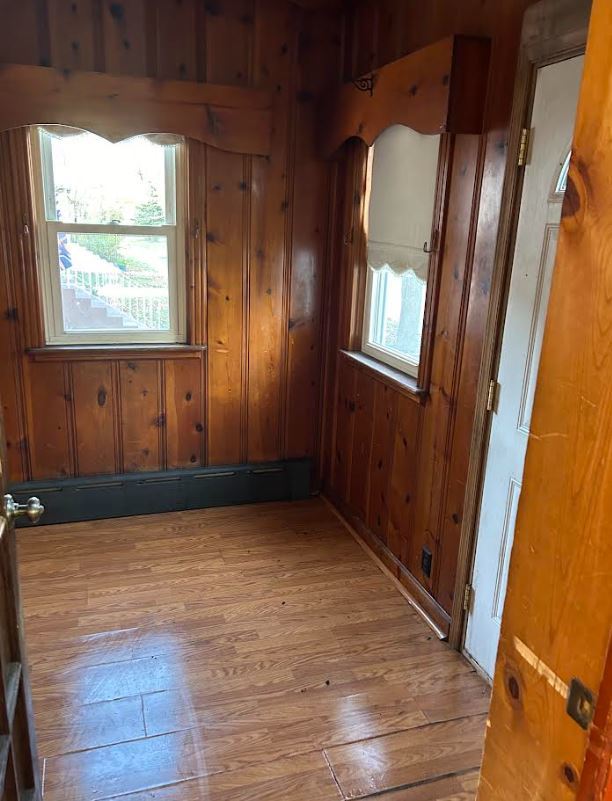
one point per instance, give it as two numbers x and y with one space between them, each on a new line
147 306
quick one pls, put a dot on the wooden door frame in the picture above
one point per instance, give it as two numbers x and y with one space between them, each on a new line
553 30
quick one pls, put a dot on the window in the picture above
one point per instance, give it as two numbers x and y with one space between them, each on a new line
110 237
561 182
402 189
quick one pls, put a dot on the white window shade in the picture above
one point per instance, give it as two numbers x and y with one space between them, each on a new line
402 197
67 132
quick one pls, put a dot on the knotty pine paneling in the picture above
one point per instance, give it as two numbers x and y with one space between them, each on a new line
125 48
227 275
418 492
270 221
49 412
319 43
184 413
71 34
139 392
94 401
257 231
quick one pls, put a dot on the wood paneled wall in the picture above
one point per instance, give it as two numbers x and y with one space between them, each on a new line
257 231
396 465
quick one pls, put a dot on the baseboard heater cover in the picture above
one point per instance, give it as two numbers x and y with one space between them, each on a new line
72 500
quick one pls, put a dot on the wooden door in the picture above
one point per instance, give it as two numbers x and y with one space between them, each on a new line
557 621
19 775
552 126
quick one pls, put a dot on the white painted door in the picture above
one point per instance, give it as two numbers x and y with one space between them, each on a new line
552 124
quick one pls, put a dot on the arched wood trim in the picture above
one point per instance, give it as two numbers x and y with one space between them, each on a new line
439 89
117 107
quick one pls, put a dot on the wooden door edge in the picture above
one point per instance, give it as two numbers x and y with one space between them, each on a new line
562 39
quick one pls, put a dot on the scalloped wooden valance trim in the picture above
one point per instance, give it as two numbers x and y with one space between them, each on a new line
119 106
439 89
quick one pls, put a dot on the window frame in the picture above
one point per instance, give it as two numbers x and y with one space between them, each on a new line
419 372
385 355
49 274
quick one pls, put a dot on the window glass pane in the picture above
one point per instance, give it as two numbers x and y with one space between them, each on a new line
396 317
112 282
561 185
90 180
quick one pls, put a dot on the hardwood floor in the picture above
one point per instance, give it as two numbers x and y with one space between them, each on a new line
238 654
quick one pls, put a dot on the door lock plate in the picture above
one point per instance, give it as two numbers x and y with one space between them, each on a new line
580 703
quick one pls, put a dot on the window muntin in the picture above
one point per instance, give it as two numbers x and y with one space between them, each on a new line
110 217
402 190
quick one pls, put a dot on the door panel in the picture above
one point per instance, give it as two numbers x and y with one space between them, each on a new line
554 110
18 756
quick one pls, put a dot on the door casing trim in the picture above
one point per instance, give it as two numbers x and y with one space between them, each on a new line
553 30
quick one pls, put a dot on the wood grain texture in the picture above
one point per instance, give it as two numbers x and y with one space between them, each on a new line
94 399
377 33
227 275
184 413
202 655
19 763
318 65
121 107
365 768
260 389
271 181
140 428
48 399
72 34
563 521
439 89
125 51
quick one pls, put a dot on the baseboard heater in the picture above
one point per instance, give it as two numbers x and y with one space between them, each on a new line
74 499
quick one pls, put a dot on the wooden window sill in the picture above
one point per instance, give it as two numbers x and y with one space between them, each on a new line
404 384
80 353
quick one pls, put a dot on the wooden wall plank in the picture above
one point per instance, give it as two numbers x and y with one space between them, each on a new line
319 56
183 405
94 404
226 192
176 39
381 459
403 479
71 27
141 415
276 41
452 308
48 424
229 41
359 483
20 41
15 247
125 48
228 185
345 422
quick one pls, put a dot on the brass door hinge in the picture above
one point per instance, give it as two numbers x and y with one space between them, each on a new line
524 147
493 395
468 596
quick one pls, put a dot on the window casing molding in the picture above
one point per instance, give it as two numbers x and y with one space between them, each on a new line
49 276
358 167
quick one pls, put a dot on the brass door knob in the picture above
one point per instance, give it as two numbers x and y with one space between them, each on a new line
33 509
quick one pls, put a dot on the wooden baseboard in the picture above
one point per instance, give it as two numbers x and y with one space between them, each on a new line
97 497
429 609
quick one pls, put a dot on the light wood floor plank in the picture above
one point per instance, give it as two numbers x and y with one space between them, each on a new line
234 655
408 757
